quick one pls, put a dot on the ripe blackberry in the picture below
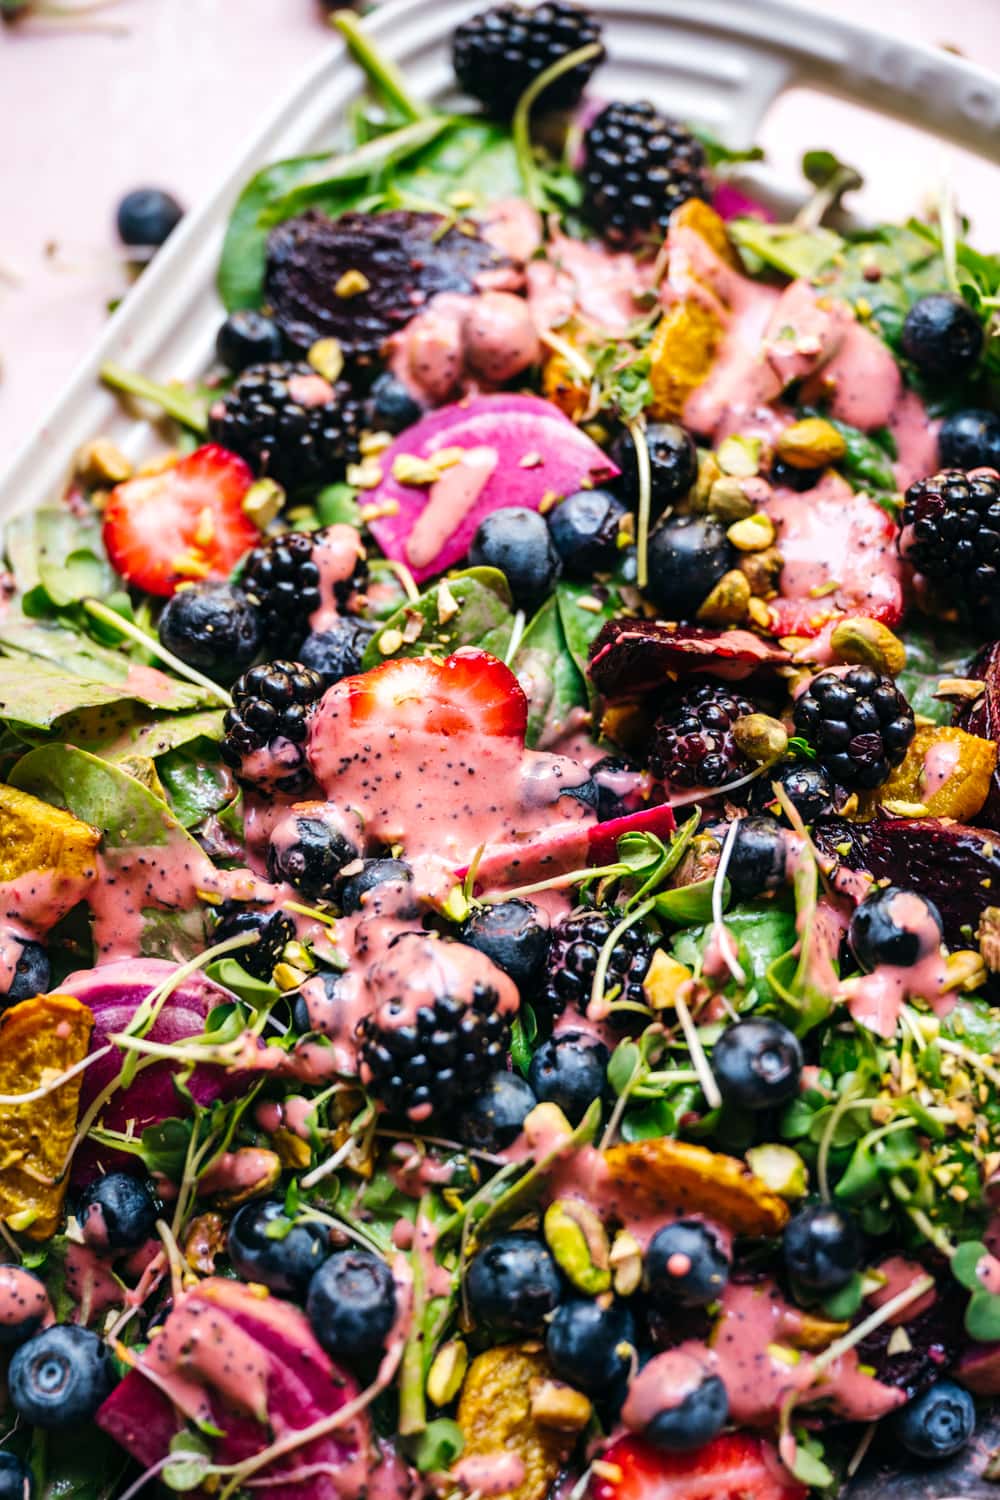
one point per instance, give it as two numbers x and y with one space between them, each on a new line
639 166
289 423
446 1054
266 727
951 534
859 723
274 930
693 743
282 578
575 947
498 53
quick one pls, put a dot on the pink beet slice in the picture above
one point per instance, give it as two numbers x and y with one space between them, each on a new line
140 1418
114 991
537 451
978 1369
569 847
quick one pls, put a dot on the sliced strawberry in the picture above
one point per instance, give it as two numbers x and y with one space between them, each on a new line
736 1466
185 523
470 692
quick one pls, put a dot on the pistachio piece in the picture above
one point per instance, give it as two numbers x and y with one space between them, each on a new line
868 643
761 738
664 978
812 443
739 456
556 1404
728 500
988 934
327 358
579 1245
237 1176
444 1379
102 462
204 1241
966 970
262 502
781 1168
753 534
708 474
762 570
727 603
626 1262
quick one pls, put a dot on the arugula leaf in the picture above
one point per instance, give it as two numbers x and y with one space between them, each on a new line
432 625
546 670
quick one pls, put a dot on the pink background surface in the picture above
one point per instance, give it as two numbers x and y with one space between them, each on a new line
84 117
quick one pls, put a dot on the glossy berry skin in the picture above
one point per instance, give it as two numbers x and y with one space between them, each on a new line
352 1303
577 941
517 541
513 1283
694 1421
492 1119
336 652
286 1265
692 744
16 1479
282 578
639 165
25 1304
212 627
687 556
392 406
970 439
512 934
937 1423
859 723
32 974
570 1070
60 1376
585 1343
758 859
612 800
289 423
951 534
147 216
757 1063
788 477
822 1247
373 873
685 1265
585 528
117 1211
893 926
499 52
247 338
673 465
807 785
274 929
312 859
942 336
272 704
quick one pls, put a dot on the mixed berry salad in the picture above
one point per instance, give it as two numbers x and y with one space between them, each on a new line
499 905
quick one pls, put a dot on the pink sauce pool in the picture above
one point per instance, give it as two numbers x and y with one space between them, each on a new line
337 550
875 1000
899 1274
449 501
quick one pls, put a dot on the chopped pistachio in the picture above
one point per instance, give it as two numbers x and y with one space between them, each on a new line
327 358
351 284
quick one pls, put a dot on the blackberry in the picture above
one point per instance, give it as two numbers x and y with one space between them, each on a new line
573 954
289 423
282 578
274 930
859 723
951 534
270 712
498 53
639 166
693 743
447 1053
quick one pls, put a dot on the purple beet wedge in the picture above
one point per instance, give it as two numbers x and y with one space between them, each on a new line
982 717
517 450
635 656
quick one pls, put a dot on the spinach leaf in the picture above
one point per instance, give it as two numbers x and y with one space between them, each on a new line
357 172
886 270
194 781
784 247
549 676
244 249
58 644
38 697
61 556
581 625
933 650
458 611
762 931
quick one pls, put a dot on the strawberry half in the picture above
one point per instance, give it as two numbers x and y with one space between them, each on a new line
735 1466
185 523
470 692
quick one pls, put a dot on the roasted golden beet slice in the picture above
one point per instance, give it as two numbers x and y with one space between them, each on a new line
34 836
681 353
674 1175
947 773
494 1413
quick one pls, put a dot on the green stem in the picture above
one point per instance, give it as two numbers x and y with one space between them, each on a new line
601 971
412 1406
521 123
178 403
107 616
637 431
381 73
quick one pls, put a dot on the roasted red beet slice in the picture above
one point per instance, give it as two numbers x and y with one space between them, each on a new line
956 867
983 718
935 1337
633 656
404 257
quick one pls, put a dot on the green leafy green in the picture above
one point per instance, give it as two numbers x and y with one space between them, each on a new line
545 668
194 781
463 610
438 1446
762 931
581 624
868 459
783 247
718 154
244 249
43 695
933 650
187 406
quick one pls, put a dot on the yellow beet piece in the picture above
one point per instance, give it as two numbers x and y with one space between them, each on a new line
681 352
35 836
677 1175
697 215
946 771
39 1039
494 1413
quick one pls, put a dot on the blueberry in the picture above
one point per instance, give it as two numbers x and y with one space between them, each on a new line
24 1306
393 408
117 1211
787 476
60 1376
16 1479
893 926
212 627
513 935
757 1063
336 653
615 777
309 852
286 1265
373 873
570 1070
970 439
687 556
352 1303
937 1423
492 1119
758 858
301 1019
588 1344
694 1421
513 1283
587 793
942 335
248 338
274 929
808 788
822 1247
517 541
146 216
585 529
686 1265
32 973
673 464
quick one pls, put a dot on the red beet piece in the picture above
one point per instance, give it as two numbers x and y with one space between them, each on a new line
634 656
